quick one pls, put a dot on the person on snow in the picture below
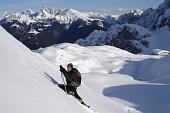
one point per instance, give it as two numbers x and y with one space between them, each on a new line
73 80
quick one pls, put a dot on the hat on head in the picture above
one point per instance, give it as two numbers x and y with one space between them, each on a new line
70 65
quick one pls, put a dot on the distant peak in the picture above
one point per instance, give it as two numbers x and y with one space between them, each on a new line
71 10
44 9
136 11
28 11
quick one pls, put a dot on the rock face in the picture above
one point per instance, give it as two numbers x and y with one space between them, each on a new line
131 32
35 35
130 37
156 18
132 17
150 18
51 26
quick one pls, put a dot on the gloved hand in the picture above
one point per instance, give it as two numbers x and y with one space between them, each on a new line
61 68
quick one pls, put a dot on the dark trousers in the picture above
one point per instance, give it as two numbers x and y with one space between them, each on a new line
73 91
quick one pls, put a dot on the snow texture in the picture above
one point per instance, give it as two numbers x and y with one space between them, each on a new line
116 81
25 88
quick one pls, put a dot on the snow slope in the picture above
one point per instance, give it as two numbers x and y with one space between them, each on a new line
116 81
24 86
160 39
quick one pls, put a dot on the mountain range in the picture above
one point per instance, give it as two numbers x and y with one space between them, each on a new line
137 31
49 26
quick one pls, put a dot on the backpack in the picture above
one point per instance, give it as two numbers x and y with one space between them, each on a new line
78 77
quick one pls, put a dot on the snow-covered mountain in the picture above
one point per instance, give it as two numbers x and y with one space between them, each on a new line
65 16
131 18
130 37
47 27
114 11
144 35
50 26
150 18
156 18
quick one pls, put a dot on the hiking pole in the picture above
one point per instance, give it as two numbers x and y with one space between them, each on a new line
62 77
63 81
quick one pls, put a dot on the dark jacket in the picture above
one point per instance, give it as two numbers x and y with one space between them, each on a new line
73 78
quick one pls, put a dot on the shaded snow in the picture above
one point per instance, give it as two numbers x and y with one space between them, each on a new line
160 40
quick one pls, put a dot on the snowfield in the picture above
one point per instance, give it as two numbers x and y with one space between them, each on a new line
116 81
113 80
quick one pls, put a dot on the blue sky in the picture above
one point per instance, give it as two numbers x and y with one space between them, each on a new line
20 5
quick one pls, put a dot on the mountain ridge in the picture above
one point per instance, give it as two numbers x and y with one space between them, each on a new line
50 26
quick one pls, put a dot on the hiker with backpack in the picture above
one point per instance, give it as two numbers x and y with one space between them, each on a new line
73 80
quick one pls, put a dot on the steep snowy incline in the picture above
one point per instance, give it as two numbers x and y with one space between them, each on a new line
116 81
23 85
